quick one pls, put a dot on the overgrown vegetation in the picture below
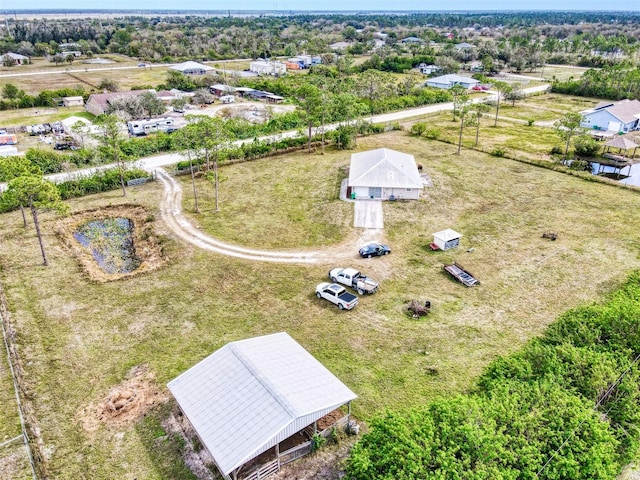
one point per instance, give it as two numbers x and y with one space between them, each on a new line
611 82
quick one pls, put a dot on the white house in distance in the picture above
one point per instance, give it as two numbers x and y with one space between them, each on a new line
384 174
249 397
192 68
428 69
622 116
265 67
448 81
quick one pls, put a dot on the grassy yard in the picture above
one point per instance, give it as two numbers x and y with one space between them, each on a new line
31 116
78 339
547 108
562 72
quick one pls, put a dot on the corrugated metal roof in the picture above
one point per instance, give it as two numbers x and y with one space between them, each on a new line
446 235
384 168
251 394
190 65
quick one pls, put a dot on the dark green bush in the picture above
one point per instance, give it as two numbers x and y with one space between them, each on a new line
102 181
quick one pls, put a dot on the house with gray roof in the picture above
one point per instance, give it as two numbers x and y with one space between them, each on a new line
622 116
384 174
192 68
414 40
13 58
448 81
250 399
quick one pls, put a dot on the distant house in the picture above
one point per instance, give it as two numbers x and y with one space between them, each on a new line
464 46
98 103
71 53
412 40
72 101
339 46
428 69
448 81
378 43
14 59
622 116
220 90
255 404
192 68
166 96
384 174
265 67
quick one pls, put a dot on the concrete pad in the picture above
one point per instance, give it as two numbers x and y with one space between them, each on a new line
368 214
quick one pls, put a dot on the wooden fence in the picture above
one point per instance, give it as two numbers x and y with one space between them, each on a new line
264 471
288 456
295 453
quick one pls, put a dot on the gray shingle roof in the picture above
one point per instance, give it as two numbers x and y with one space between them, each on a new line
251 394
384 168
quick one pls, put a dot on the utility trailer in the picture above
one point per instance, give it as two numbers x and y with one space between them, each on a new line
458 272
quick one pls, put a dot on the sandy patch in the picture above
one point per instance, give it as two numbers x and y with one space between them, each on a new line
125 403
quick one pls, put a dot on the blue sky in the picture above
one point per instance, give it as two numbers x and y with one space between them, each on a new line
351 5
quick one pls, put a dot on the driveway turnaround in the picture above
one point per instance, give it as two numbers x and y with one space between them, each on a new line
171 212
368 214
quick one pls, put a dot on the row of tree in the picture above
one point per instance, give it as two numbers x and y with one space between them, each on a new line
516 40
612 82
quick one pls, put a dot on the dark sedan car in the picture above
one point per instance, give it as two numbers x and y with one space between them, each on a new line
374 250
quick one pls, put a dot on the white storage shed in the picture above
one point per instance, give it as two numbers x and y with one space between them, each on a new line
446 239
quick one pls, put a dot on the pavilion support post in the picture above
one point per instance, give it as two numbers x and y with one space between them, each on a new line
315 428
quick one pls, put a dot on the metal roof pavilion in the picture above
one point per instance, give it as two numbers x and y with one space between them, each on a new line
251 394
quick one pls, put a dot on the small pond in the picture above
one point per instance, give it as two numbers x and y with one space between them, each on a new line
110 241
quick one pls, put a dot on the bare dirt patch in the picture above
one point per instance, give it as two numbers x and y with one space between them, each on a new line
148 244
125 403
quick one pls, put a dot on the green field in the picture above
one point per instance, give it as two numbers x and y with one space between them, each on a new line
78 339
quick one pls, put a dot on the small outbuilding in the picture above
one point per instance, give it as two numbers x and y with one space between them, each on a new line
254 398
384 174
72 101
446 239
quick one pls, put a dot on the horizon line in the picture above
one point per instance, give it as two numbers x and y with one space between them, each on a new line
173 10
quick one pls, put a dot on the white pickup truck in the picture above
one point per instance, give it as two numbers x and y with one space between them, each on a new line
354 279
336 294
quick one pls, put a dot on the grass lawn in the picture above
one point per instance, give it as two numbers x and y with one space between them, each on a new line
79 339
31 116
562 72
517 139
548 107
